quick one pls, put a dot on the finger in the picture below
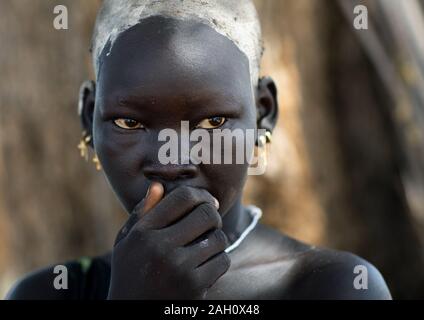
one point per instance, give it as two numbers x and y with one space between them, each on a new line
203 218
211 270
215 242
125 229
153 196
176 204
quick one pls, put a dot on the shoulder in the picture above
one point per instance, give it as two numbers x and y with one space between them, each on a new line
62 281
323 273
40 284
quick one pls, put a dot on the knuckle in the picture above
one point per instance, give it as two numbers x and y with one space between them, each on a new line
207 214
139 234
206 196
126 228
225 260
220 237
186 193
147 222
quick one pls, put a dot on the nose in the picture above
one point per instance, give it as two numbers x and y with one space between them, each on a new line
170 172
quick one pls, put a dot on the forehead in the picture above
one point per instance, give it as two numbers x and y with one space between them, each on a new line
162 56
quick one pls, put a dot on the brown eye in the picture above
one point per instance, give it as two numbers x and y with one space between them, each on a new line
128 124
211 123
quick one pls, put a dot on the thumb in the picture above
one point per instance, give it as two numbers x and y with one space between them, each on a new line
153 196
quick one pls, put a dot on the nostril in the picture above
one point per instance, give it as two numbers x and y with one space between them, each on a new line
186 176
152 177
170 172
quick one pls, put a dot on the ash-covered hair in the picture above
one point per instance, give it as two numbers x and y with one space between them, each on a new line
235 19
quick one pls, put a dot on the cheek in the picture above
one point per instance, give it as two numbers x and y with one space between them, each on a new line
120 159
226 183
116 152
227 180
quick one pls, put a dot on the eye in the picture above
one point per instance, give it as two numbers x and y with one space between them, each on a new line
211 123
128 124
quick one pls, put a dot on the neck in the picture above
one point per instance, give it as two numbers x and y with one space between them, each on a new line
235 221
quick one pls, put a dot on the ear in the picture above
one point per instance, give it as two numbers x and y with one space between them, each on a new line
86 104
266 104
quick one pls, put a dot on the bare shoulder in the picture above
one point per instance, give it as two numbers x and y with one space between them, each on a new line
322 273
332 274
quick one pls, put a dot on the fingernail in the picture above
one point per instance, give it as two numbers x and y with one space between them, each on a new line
149 190
143 203
216 202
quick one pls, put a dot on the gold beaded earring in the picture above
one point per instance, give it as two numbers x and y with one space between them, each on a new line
268 136
83 145
262 150
97 162
264 139
83 148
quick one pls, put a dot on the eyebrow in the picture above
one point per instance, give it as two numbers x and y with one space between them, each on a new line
230 104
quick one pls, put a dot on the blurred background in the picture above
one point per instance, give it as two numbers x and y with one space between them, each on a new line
346 168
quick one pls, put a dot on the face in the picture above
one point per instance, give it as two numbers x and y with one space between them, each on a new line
159 73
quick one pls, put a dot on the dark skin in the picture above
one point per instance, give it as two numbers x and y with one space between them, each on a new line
190 72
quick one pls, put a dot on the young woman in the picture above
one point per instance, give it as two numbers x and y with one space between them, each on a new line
188 236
